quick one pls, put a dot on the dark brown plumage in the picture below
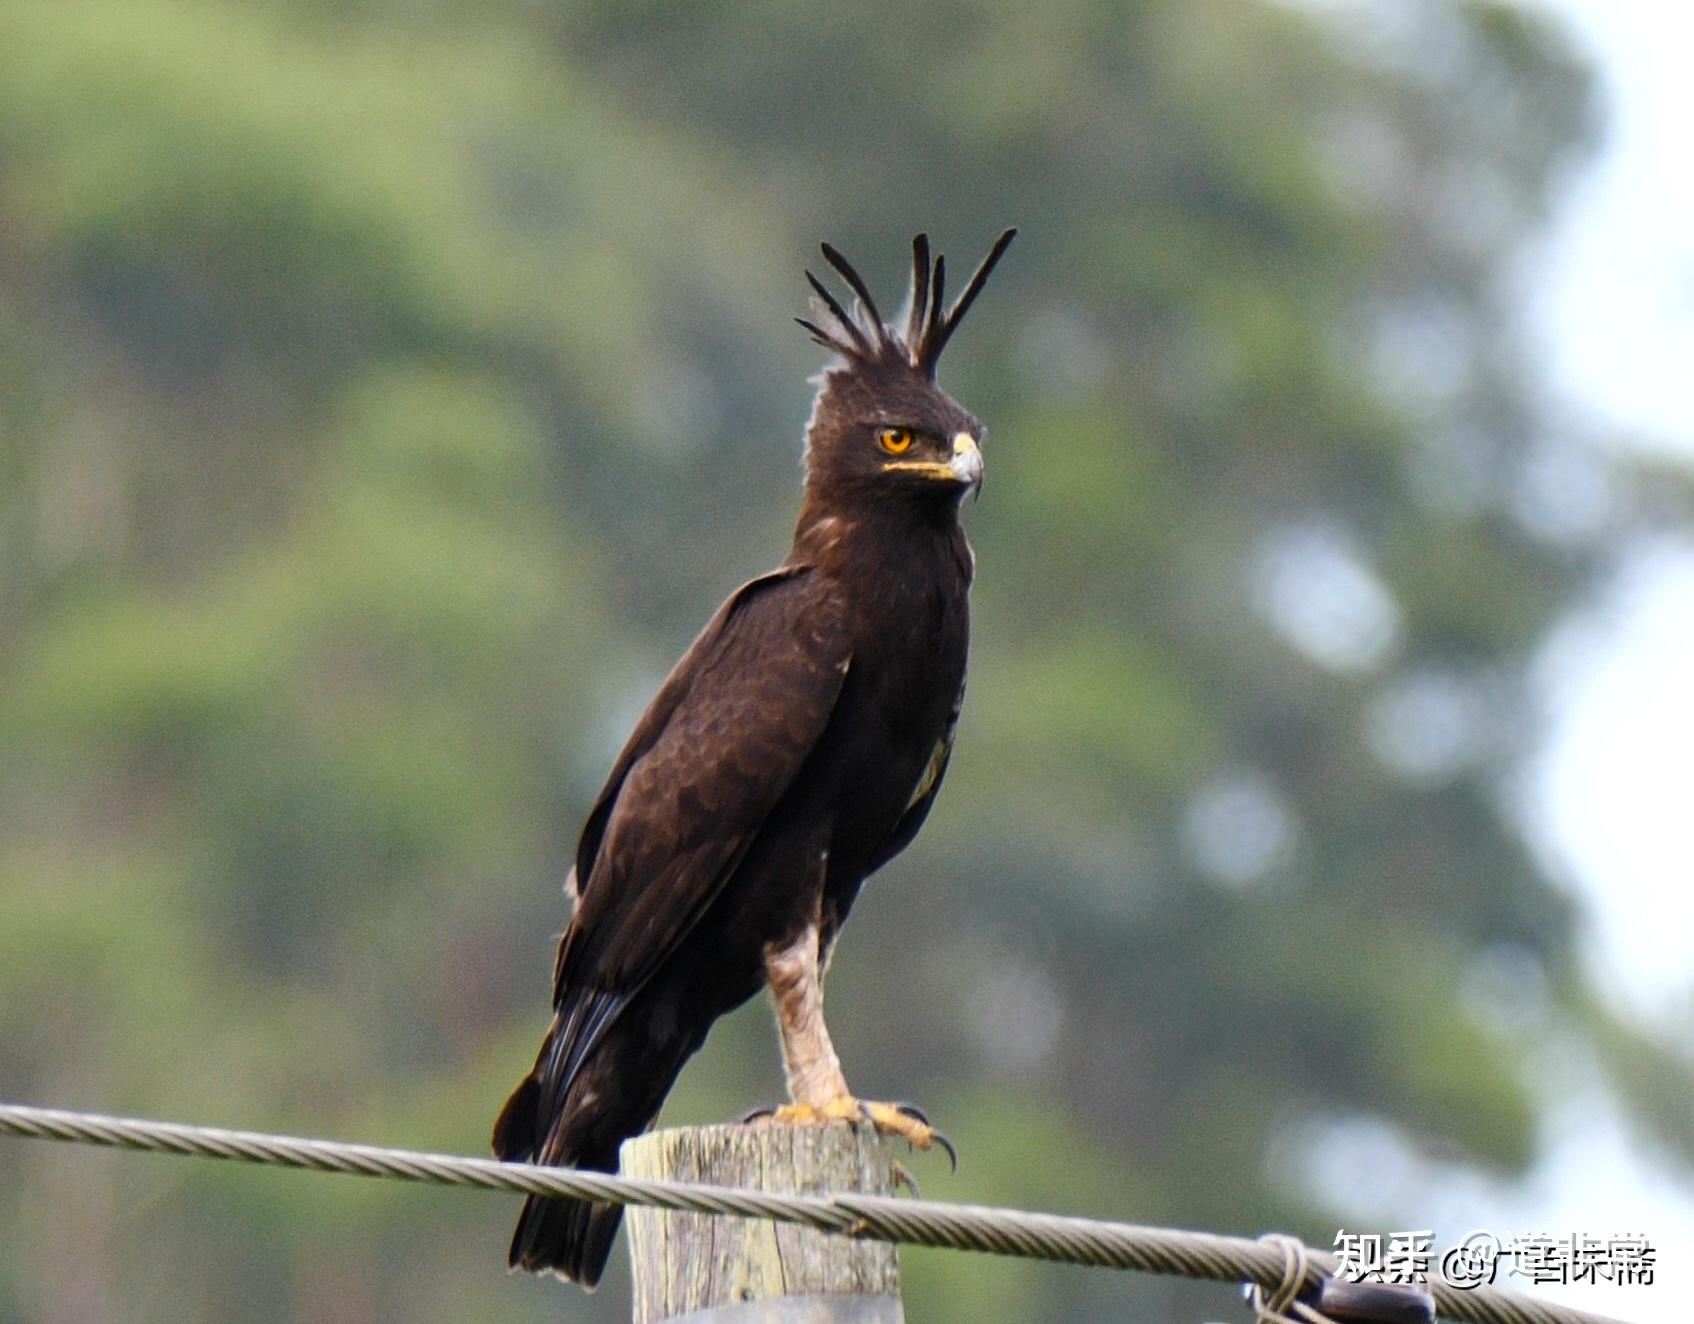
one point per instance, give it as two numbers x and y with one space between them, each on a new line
795 749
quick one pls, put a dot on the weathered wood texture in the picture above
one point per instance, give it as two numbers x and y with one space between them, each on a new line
746 1270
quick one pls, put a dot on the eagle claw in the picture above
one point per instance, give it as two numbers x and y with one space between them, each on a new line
911 1125
905 1120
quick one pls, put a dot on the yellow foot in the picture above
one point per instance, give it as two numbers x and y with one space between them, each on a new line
890 1119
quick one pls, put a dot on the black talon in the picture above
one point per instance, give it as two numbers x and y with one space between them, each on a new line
756 1115
918 1115
901 1175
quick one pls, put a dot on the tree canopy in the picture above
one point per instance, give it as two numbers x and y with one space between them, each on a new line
387 393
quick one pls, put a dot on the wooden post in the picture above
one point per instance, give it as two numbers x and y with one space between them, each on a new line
749 1271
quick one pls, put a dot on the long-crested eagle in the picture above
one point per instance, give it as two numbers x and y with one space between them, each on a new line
796 748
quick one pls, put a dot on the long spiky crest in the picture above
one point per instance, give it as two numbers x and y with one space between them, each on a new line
828 341
859 287
918 313
973 287
840 314
863 335
925 354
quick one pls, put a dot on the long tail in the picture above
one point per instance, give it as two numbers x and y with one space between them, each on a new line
571 1238
599 1080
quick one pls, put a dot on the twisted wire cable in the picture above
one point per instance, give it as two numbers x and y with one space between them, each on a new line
1268 1264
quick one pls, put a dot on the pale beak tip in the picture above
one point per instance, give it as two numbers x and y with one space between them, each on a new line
967 460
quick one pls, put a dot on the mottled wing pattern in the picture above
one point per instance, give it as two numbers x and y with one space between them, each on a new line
723 741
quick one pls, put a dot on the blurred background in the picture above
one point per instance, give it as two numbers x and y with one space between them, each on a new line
389 391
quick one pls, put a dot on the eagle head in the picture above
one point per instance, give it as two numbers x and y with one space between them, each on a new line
880 424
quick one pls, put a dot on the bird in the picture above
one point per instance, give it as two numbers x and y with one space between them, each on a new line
794 750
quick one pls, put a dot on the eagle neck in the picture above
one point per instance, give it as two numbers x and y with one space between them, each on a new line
884 542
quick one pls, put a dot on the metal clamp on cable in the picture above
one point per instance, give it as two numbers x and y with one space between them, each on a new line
1375 1303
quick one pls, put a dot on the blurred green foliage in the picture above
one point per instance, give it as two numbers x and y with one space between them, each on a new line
388 392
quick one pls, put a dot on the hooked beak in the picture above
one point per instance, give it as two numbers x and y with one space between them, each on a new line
967 460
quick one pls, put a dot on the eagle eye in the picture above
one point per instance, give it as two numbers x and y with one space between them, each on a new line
896 441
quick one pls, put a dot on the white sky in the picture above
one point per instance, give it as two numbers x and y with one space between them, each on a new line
1612 789
1608 304
1621 309
1616 321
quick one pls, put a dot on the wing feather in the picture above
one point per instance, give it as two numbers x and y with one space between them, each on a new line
721 743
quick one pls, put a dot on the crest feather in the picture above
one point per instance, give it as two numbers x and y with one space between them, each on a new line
862 336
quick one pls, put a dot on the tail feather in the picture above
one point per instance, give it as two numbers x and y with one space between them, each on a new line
570 1238
574 1109
515 1140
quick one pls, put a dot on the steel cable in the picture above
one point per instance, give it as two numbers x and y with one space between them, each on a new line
1053 1237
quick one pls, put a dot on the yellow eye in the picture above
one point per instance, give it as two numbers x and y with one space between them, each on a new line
896 441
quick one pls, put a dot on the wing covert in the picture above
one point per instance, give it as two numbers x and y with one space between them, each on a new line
721 743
